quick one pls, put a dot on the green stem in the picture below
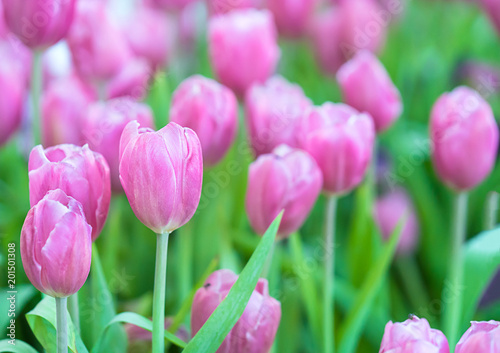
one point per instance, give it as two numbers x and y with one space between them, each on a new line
159 293
74 311
452 293
62 325
492 210
36 91
328 285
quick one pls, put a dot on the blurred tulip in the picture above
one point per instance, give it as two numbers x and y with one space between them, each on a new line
171 5
56 245
413 336
389 210
104 126
367 87
64 106
79 172
132 81
220 7
211 110
341 141
292 16
481 337
161 173
255 330
243 48
492 8
465 138
287 179
39 23
483 76
273 111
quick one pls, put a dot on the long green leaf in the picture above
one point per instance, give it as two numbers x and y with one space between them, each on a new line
212 334
19 347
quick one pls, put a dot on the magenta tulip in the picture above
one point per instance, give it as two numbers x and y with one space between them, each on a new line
292 16
481 337
465 138
39 23
255 330
79 172
56 245
367 87
161 173
211 110
287 179
220 7
131 81
413 336
341 141
273 112
492 8
243 48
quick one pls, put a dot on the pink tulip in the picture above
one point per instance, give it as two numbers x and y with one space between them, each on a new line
341 140
161 173
367 87
220 7
132 80
243 48
211 110
389 210
79 172
64 104
56 245
413 336
273 111
288 179
171 5
104 126
492 8
292 16
39 23
481 337
255 330
465 138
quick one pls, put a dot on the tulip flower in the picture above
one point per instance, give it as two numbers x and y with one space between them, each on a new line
211 110
104 126
255 330
287 179
273 111
413 336
492 8
292 16
481 337
220 7
243 48
132 81
367 87
79 172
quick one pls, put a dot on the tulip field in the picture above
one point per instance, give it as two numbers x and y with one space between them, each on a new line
249 176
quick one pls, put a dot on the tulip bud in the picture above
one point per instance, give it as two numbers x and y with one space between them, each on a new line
481 337
56 245
367 87
413 336
79 172
341 141
132 81
465 138
161 173
292 16
255 330
211 110
39 23
243 48
221 7
273 111
389 210
287 179
492 8
171 5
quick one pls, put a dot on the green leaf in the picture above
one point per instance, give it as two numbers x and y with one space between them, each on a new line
42 320
24 294
137 320
19 347
212 334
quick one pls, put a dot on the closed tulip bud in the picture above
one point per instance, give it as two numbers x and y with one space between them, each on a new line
341 141
79 172
56 245
465 138
39 23
273 111
287 179
161 173
481 337
413 336
389 210
255 330
132 80
367 87
220 7
292 16
243 48
492 8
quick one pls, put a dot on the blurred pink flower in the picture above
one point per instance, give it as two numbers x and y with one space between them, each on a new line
481 337
292 16
492 8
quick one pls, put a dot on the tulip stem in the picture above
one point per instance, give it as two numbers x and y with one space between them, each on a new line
452 292
74 311
62 325
329 273
159 293
492 210
36 91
